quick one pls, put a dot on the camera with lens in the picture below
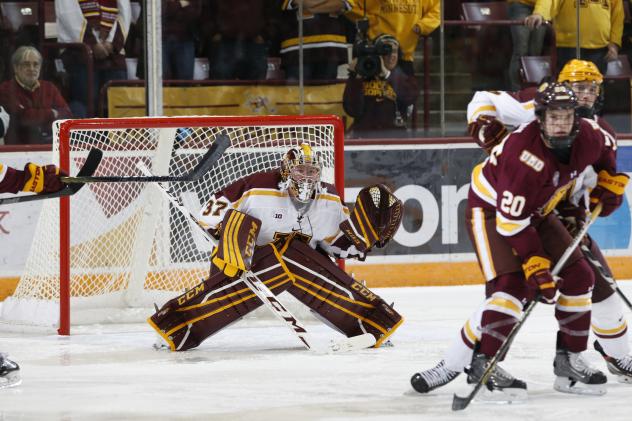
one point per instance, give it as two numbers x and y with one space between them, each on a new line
368 53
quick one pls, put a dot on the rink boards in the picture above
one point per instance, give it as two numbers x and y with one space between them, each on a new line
431 247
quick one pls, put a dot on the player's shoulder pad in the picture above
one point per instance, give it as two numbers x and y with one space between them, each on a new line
259 180
329 189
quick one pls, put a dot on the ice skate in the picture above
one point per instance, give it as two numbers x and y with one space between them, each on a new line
620 367
427 380
9 373
501 386
574 375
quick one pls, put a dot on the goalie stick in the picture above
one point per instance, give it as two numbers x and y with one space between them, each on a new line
215 152
89 167
268 298
459 403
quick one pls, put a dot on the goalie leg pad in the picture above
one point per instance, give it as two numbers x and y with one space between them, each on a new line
187 320
346 304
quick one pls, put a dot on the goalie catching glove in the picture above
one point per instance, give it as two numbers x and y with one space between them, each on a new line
376 217
238 237
609 191
487 131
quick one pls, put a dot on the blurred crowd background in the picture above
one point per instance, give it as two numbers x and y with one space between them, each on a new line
389 68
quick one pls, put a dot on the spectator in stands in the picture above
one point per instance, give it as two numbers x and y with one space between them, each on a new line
527 39
601 28
383 102
32 104
102 25
237 37
407 20
180 19
324 38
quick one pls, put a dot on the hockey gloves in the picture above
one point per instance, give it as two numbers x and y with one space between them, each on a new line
376 216
609 191
41 179
573 217
487 131
538 274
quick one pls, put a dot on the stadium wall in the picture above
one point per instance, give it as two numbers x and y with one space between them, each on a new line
431 176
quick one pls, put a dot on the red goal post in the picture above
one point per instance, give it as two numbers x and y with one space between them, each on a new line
119 247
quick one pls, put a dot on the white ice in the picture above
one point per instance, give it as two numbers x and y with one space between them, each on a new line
258 371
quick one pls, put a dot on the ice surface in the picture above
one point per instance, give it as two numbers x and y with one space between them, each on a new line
258 371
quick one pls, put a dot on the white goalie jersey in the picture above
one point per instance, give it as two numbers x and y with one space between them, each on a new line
263 196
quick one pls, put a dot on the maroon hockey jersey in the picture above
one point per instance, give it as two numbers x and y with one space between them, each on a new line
523 180
11 180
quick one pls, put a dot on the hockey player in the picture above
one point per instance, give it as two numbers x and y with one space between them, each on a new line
36 179
487 112
568 357
284 226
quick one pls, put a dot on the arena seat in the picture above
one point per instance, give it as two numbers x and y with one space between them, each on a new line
478 12
535 68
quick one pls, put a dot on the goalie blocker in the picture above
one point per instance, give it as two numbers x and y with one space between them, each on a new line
288 264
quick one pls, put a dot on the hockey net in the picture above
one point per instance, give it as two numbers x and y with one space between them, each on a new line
112 250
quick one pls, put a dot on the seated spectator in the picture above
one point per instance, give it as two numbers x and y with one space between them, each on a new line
103 26
324 39
32 104
380 102
179 21
237 37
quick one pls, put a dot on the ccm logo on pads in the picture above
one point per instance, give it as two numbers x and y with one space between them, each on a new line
531 160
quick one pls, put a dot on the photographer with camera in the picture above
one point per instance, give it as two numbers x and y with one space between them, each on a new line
407 20
379 95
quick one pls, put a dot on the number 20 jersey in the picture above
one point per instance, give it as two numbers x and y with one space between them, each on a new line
522 177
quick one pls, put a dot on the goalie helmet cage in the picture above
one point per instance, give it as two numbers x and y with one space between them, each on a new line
114 249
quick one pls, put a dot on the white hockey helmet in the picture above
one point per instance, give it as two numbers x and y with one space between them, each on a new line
301 168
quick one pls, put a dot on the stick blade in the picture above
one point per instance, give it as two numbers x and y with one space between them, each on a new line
459 403
89 167
215 152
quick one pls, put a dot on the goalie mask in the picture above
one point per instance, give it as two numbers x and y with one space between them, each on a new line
555 107
301 170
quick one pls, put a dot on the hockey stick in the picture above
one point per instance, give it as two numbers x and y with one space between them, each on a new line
89 167
605 274
267 297
221 143
459 403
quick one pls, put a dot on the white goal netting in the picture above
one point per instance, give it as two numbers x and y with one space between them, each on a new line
129 248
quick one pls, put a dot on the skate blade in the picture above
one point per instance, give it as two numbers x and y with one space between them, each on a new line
10 380
565 385
503 396
624 379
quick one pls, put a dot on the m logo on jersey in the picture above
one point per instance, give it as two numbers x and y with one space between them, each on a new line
531 160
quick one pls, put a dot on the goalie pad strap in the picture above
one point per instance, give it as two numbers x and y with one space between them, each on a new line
237 242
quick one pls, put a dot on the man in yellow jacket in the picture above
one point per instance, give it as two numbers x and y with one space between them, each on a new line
600 29
407 20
